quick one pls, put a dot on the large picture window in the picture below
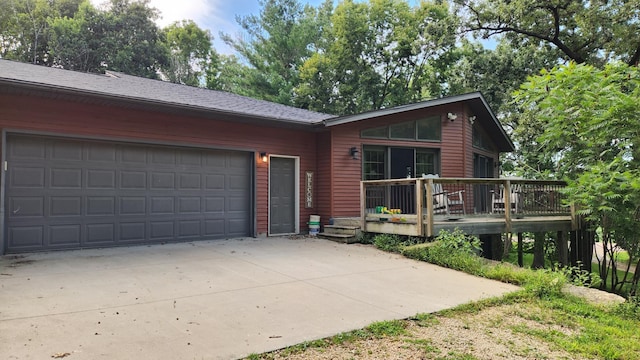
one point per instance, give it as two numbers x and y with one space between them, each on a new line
427 129
381 162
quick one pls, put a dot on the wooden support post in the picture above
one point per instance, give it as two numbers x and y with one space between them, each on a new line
507 205
429 197
419 206
563 249
363 205
520 250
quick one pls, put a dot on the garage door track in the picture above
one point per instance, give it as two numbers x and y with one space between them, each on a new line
212 299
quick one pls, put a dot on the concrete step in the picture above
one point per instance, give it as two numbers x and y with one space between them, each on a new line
340 229
341 238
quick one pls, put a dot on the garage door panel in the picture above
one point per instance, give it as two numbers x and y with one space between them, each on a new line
162 229
64 194
189 205
28 149
215 227
101 152
65 206
66 178
162 181
133 205
100 233
133 155
64 235
132 231
21 206
101 179
26 237
189 228
134 180
24 177
101 205
189 182
66 150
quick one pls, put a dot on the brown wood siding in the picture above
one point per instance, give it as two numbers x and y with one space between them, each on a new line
33 114
456 157
323 193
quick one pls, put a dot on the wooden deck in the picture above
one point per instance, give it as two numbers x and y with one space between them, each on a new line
534 206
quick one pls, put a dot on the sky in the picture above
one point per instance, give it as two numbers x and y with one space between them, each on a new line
212 15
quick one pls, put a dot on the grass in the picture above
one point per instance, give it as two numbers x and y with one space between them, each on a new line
561 321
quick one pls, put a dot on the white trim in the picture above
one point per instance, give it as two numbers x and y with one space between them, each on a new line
296 195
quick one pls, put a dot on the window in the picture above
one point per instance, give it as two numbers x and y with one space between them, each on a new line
428 129
403 131
481 140
379 133
381 162
374 163
426 162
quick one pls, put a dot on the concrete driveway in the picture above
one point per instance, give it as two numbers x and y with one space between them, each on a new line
212 299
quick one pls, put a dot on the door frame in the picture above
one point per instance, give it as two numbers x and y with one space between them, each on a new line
296 194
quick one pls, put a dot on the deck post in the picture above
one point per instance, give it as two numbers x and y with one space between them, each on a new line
419 207
563 249
363 205
520 259
429 197
507 205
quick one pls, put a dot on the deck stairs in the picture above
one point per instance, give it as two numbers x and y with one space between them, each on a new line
343 230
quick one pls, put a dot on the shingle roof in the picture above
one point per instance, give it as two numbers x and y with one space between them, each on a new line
122 86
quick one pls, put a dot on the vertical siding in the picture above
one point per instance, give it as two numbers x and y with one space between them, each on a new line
22 113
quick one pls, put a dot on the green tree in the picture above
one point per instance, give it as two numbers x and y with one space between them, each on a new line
75 42
277 42
583 122
584 31
131 39
378 54
190 53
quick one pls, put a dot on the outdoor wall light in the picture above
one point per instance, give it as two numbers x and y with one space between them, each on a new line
452 116
263 156
354 153
472 119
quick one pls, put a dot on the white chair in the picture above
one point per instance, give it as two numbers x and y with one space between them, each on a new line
445 202
498 200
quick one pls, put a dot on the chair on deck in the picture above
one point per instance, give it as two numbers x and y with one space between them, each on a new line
445 202
498 200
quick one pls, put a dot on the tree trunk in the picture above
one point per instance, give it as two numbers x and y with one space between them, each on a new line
538 251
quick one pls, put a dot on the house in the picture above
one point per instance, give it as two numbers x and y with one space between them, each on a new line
106 160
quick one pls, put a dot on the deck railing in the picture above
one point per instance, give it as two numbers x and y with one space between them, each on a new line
404 202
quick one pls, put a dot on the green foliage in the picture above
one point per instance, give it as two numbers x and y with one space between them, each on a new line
392 242
545 283
581 31
190 52
582 122
629 309
458 241
377 54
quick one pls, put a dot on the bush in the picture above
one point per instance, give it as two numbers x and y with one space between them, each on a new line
387 242
545 284
394 243
459 241
438 254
